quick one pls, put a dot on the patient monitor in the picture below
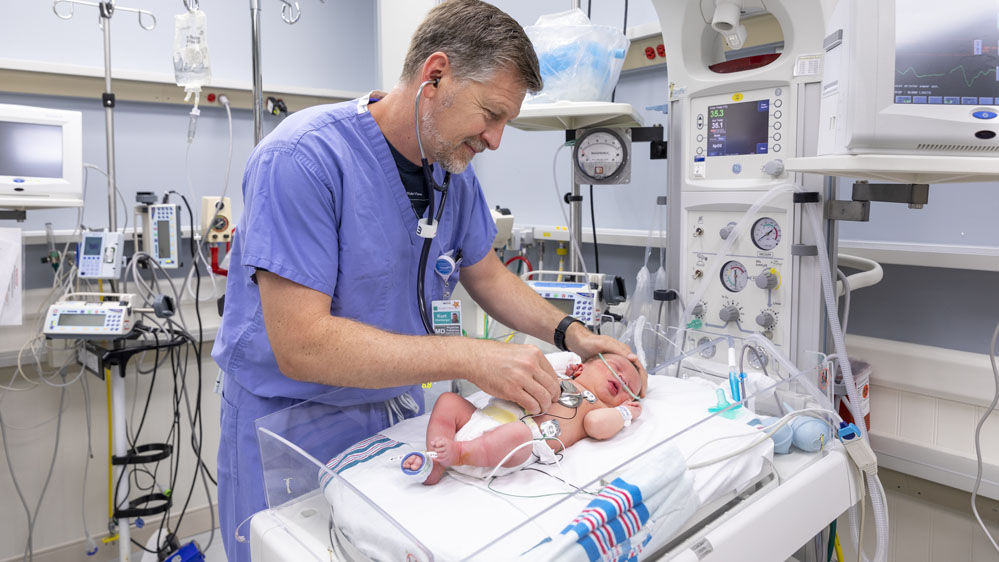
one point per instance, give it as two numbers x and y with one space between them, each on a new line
911 76
41 157
732 127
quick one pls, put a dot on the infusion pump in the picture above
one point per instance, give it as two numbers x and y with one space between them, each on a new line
90 316
161 236
585 301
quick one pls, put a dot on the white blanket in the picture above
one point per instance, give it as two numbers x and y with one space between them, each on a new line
459 517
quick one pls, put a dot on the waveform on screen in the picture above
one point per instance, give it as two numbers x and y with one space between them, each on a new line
968 81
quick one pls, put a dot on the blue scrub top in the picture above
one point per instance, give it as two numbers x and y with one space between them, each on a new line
324 207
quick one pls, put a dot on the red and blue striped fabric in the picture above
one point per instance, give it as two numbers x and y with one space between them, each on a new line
360 452
614 516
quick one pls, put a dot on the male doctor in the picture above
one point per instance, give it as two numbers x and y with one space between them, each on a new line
321 293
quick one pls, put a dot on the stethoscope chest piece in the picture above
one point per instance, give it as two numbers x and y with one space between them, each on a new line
572 397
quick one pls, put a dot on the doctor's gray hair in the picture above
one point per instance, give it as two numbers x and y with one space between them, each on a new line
478 38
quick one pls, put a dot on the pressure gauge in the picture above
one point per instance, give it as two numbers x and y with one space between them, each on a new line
734 276
766 233
602 156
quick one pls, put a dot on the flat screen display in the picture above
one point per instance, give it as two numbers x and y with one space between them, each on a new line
30 150
163 239
947 53
85 320
92 245
739 128
564 305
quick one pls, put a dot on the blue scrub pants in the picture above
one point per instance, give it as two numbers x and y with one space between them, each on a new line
241 486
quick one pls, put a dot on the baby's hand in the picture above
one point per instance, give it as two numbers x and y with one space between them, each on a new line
634 407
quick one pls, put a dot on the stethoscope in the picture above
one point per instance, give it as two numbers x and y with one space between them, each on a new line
427 228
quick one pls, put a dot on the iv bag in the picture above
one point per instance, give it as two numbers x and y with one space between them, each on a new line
191 65
642 329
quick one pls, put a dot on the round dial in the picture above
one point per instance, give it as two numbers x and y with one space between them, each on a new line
766 233
600 154
734 276
757 360
709 351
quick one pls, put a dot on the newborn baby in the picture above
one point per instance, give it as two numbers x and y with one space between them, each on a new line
599 400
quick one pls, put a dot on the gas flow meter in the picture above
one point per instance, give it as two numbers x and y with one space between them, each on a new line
602 156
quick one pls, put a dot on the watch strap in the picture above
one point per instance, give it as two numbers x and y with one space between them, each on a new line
560 332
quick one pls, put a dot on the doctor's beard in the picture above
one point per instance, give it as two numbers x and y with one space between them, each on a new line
453 157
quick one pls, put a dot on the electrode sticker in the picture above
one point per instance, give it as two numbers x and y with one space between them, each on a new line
447 317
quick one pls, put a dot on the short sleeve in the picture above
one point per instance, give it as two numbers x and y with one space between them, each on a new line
481 229
289 224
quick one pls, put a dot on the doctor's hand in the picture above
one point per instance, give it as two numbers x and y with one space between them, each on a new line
586 344
518 373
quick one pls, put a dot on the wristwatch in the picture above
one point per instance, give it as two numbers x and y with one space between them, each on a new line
560 331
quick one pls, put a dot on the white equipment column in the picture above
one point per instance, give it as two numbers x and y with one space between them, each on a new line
730 132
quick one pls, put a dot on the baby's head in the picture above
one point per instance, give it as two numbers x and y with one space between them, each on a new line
597 375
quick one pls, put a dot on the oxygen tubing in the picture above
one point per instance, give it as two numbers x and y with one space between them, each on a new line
878 500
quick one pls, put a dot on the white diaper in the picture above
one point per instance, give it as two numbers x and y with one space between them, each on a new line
495 413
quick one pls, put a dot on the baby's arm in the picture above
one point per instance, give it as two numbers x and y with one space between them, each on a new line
604 423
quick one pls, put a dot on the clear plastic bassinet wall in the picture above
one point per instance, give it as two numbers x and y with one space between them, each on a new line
703 443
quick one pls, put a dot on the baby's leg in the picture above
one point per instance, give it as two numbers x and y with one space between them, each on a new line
489 448
450 413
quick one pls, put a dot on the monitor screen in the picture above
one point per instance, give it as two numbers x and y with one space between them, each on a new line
565 306
946 53
163 239
81 319
739 128
92 245
30 150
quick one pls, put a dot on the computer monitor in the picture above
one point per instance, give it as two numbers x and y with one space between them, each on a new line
41 157
911 77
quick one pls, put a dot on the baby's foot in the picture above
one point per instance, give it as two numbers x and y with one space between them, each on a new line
448 451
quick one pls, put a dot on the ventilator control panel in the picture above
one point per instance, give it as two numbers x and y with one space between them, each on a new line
740 136
745 292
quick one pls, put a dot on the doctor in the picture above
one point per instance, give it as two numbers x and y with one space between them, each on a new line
321 293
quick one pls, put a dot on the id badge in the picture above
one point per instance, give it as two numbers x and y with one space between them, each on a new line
446 317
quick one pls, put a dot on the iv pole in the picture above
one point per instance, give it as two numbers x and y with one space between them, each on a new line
119 443
575 207
290 13
107 9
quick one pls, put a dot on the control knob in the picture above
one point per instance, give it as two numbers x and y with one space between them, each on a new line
729 313
698 309
726 231
766 320
767 280
774 168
